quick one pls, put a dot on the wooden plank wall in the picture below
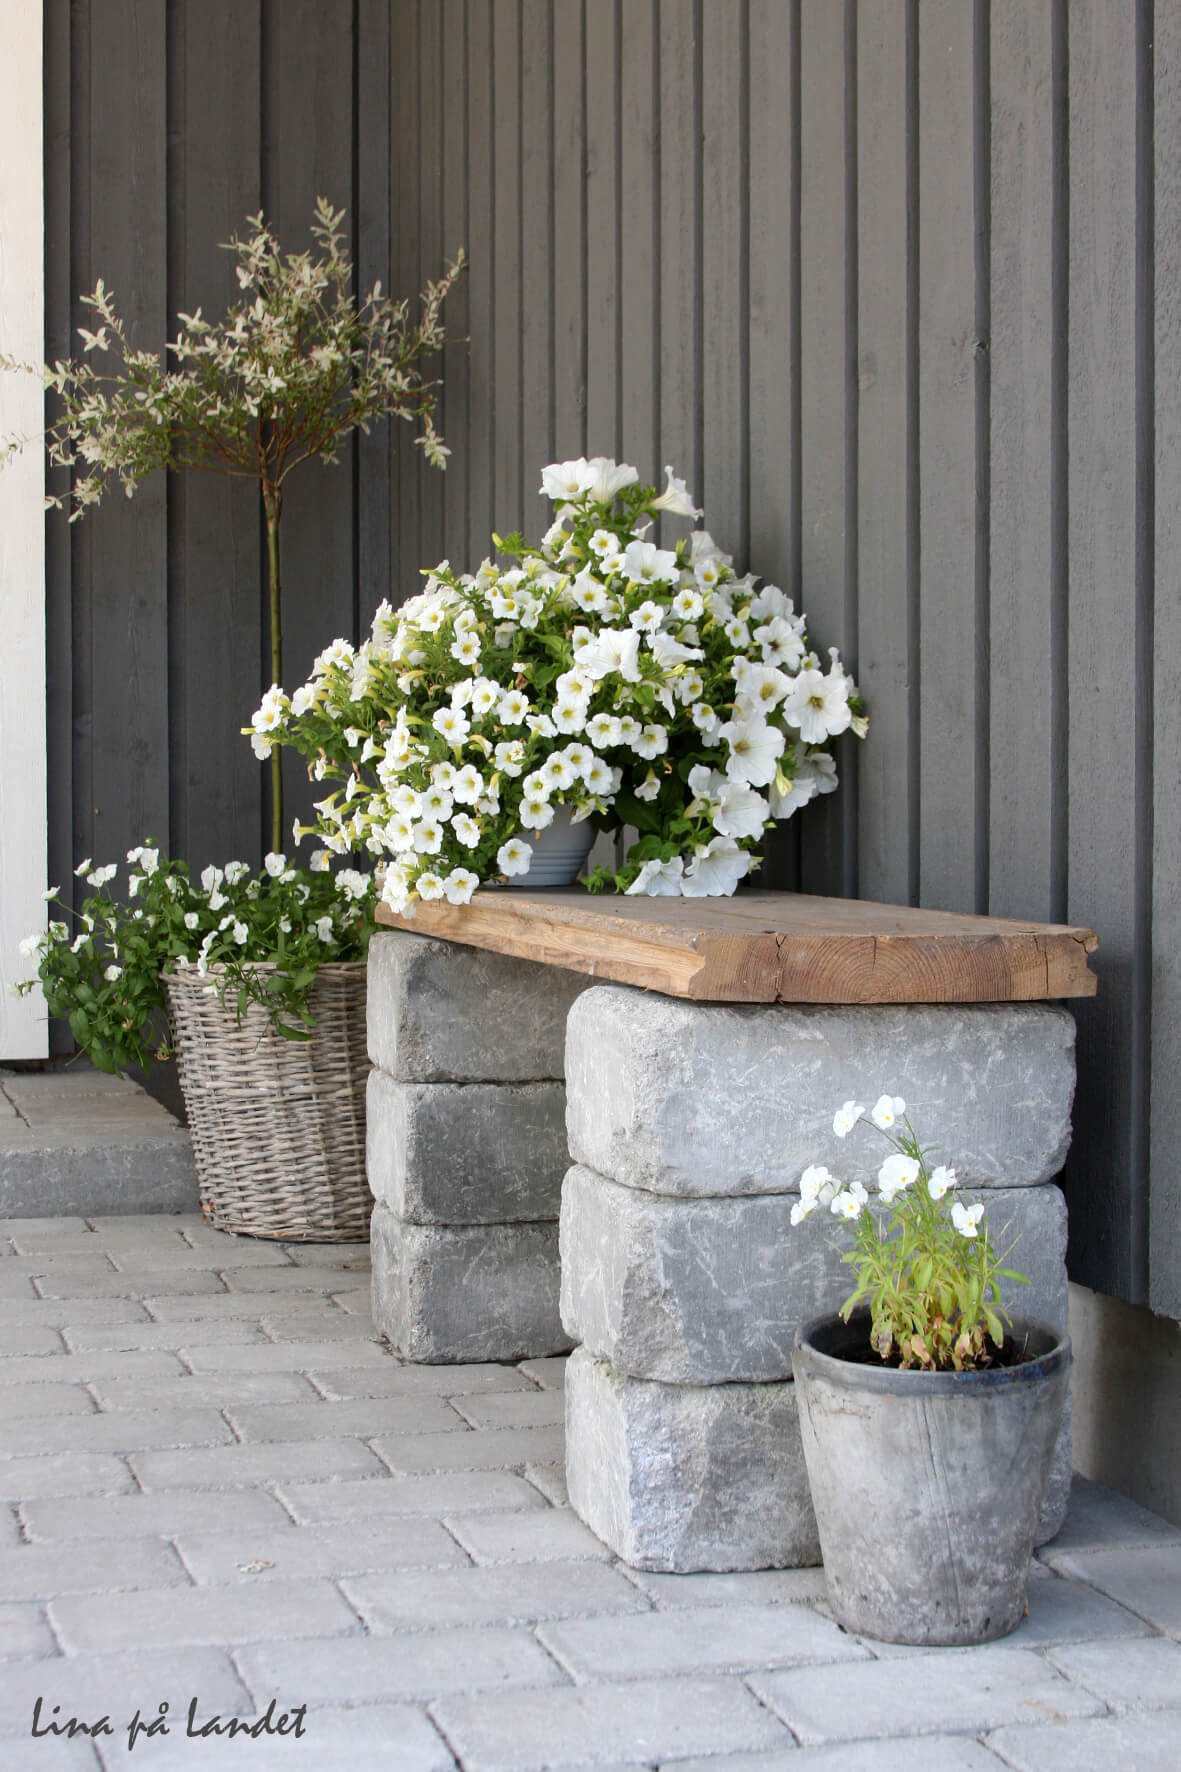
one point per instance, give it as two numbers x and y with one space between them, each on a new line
893 282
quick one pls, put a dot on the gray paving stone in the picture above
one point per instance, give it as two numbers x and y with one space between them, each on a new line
78 1755
424 1666
440 1012
550 1481
339 1255
924 1753
224 1306
24 1631
10 1534
688 1477
1144 1578
57 1313
84 1280
30 1339
363 1417
19 1402
91 1338
1144 1675
968 1691
285 1553
37 1571
236 1467
711 1640
1068 1611
394 1737
226 1390
326 1323
706 1291
466 1153
515 1593
514 1409
139 1516
14 1284
47 1230
1137 1743
63 1473
451 1493
493 1449
550 1374
397 1379
280 1281
193 1616
533 1537
446 1293
661 1091
287 1356
122 1430
651 1720
89 1368
117 1684
753 1587
1099 1518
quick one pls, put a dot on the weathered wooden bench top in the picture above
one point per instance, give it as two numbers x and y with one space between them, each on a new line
772 947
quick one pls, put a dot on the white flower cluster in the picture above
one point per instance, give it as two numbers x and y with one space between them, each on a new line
634 684
899 1171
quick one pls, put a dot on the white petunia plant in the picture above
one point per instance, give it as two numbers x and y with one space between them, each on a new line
595 676
254 938
925 1263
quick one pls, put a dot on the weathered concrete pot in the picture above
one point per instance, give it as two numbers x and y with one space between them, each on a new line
927 1485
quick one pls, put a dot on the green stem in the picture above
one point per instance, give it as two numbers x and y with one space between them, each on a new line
272 502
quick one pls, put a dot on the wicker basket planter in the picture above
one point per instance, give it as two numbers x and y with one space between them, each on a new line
278 1126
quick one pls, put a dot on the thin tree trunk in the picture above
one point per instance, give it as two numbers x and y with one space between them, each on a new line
272 502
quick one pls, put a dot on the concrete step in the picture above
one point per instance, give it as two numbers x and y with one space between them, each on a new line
73 1141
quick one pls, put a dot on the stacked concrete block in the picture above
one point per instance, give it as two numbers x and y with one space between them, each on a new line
466 1148
683 1279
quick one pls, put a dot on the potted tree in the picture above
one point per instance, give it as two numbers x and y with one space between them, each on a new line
928 1415
264 976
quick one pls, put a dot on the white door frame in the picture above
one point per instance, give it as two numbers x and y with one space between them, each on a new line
23 821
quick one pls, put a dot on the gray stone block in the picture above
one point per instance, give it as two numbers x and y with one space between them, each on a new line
708 1291
454 1293
466 1153
439 1012
706 1098
688 1477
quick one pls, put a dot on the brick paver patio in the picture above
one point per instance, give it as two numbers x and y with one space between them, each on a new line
220 1488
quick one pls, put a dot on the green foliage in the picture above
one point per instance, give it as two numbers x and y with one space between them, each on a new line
258 939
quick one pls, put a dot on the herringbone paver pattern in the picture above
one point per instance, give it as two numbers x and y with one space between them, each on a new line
218 1490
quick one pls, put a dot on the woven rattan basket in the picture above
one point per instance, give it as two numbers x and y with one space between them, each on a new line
278 1126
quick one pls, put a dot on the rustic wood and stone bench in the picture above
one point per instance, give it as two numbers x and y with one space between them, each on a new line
656 1074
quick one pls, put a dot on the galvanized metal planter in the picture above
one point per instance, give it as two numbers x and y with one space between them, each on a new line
927 1485
278 1126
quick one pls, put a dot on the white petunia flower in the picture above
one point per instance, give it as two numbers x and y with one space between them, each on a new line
886 1110
659 879
755 749
509 756
818 705
466 830
453 723
604 478
536 813
429 885
468 785
459 885
967 1218
512 708
649 788
715 870
741 811
652 742
612 650
603 730
846 1117
514 857
647 618
676 498
644 563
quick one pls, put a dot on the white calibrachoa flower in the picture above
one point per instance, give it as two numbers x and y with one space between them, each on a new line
925 1265
595 675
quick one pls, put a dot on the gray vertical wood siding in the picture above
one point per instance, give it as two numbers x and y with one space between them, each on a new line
894 282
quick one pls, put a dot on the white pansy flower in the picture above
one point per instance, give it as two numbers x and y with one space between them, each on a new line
235 871
846 1117
940 1181
320 861
111 973
100 876
29 946
886 1110
241 933
966 1219
896 1173
83 867
191 919
849 1202
274 863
